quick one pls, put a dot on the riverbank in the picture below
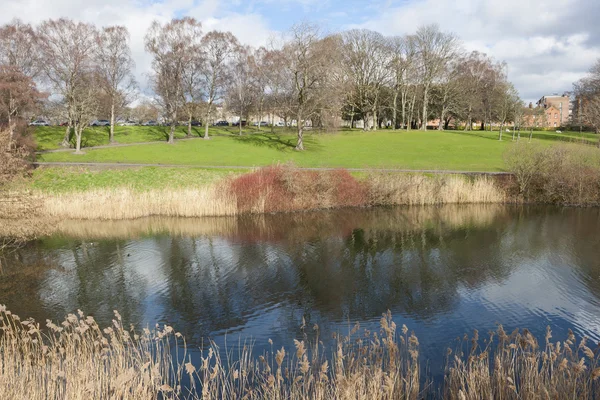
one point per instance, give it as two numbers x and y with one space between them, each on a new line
265 190
77 359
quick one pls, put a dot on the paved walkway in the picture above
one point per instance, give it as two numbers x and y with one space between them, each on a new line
133 165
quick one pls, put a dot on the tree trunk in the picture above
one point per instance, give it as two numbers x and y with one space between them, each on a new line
78 134
111 135
441 124
403 100
395 110
375 117
67 139
11 132
425 100
172 133
300 144
189 130
206 121
240 122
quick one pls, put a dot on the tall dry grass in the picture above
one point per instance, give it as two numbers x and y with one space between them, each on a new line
126 203
79 360
416 189
515 366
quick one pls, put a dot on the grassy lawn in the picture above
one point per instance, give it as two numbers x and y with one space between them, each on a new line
50 137
71 179
450 150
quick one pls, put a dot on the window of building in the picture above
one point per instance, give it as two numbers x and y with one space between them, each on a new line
555 124
555 115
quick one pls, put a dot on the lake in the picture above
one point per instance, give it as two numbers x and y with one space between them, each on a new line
442 271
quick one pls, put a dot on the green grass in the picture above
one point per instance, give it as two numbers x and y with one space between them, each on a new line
75 179
449 150
50 137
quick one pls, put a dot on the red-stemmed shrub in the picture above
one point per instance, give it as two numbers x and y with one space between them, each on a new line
280 189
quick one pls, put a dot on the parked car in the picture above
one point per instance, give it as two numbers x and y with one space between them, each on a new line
38 122
150 123
127 123
280 123
237 123
196 123
101 122
63 124
221 123
261 123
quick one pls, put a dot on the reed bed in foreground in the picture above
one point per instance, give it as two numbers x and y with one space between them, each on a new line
79 360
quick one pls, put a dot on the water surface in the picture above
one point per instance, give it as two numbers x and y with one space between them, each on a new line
442 271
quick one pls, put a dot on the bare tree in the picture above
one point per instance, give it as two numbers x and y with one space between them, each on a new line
259 65
592 114
218 50
67 49
192 77
18 48
587 99
435 49
20 65
145 111
508 105
240 90
309 60
169 45
402 66
367 61
115 67
447 94
18 94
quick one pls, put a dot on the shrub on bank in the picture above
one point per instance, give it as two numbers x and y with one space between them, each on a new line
280 189
561 174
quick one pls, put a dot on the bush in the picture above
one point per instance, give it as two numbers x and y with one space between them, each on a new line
561 174
14 155
278 188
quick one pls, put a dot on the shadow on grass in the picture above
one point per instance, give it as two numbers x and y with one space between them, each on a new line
277 142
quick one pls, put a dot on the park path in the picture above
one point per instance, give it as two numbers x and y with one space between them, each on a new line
109 165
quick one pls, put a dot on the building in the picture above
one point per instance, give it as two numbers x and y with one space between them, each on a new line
542 117
562 104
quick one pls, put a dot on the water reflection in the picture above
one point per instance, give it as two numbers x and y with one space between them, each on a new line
442 271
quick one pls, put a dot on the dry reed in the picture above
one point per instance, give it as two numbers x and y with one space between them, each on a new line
414 189
79 360
125 203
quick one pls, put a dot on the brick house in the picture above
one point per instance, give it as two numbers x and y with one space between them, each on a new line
561 103
550 118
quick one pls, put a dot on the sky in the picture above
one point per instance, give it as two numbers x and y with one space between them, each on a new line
547 44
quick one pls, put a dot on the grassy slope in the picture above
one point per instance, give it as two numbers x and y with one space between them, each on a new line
75 179
451 150
50 137
443 150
